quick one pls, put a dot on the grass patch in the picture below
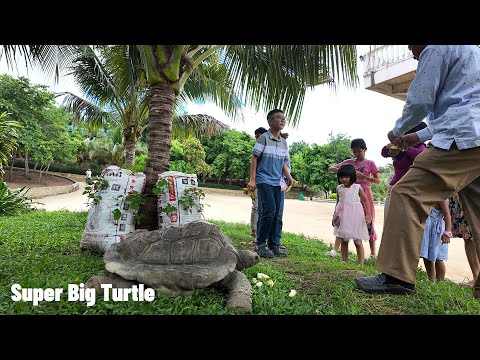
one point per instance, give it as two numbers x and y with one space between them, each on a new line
41 250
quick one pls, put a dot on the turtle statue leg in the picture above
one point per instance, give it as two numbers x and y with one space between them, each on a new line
239 291
115 280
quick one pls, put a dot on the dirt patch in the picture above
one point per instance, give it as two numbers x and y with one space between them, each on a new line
33 180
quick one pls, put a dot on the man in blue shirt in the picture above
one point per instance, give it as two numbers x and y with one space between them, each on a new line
446 88
267 169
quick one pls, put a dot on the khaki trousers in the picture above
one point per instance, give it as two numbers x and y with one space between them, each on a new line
435 175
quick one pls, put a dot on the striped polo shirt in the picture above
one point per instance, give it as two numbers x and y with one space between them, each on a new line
272 153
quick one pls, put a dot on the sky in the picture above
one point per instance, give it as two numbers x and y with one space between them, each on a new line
357 113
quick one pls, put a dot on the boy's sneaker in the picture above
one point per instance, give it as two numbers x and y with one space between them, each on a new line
331 253
263 251
278 252
281 246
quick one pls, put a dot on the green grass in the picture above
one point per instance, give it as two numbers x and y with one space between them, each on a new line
41 250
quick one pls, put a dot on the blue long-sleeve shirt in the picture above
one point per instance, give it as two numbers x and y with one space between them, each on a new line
446 87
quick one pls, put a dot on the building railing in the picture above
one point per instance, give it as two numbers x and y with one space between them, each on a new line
383 56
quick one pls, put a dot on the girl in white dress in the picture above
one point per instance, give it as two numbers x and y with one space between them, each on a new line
353 220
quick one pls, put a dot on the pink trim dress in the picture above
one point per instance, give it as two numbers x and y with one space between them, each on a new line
352 222
368 168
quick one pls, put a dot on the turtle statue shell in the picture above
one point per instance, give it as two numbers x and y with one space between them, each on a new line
175 260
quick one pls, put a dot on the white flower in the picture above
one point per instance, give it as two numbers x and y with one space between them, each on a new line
259 284
254 280
292 293
269 282
263 276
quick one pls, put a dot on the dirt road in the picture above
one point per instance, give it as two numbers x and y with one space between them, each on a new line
312 219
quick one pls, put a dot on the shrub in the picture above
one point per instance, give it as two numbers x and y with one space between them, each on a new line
332 196
14 202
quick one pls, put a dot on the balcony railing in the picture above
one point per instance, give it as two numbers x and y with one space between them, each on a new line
383 56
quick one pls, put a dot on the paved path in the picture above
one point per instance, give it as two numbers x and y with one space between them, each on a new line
312 219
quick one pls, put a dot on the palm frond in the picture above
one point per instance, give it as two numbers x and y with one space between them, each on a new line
53 59
210 81
94 78
196 125
83 110
13 52
277 76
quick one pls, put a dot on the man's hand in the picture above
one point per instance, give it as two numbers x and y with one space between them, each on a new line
251 185
392 138
409 140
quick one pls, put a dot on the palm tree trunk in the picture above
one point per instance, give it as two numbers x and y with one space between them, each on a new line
162 101
129 151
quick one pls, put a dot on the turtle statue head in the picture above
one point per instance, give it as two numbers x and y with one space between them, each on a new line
246 259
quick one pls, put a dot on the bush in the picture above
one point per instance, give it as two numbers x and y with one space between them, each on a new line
14 202
333 196
138 164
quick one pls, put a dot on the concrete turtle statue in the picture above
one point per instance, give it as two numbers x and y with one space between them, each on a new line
178 260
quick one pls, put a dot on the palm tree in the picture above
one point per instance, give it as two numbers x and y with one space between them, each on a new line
267 76
115 94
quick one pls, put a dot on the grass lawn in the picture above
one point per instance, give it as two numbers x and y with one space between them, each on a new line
41 250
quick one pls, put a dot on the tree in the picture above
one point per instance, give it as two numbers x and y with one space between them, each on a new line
115 94
54 142
8 139
297 147
229 155
188 156
28 104
267 76
310 166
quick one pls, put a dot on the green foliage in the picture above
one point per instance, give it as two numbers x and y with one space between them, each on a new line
43 135
103 150
135 199
138 164
298 147
310 163
190 197
116 214
188 156
41 250
229 154
8 139
379 191
332 196
14 202
94 185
